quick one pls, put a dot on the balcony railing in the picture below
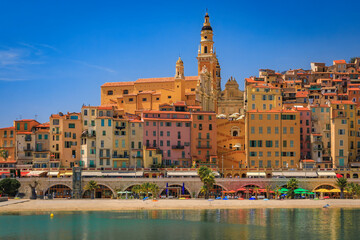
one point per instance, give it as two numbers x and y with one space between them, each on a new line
203 147
120 156
178 147
28 149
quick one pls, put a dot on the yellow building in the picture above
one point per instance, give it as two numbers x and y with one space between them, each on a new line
136 142
152 157
147 94
88 136
343 129
65 139
121 153
231 143
272 139
263 97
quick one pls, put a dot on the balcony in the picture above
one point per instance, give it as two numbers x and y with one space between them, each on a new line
178 147
137 156
120 157
203 147
56 132
28 149
120 127
28 139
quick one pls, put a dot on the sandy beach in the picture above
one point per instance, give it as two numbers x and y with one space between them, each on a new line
115 205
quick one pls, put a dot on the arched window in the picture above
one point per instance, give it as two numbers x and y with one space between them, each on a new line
110 92
235 133
205 49
125 92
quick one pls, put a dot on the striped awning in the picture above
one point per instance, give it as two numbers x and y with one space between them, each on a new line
326 174
53 173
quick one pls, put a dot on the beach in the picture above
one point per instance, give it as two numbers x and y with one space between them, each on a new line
18 206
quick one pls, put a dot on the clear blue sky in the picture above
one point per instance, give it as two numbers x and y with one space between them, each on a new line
54 55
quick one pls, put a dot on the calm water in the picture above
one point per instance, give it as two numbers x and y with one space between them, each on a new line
186 224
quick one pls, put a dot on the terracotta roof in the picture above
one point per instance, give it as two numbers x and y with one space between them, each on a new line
24 132
302 108
104 108
342 102
7 128
337 80
26 120
117 84
300 94
136 121
250 80
46 125
164 79
182 103
166 112
339 61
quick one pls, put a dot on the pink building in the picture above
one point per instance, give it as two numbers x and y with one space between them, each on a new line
305 132
169 131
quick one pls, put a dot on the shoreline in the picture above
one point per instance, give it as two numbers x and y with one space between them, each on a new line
42 206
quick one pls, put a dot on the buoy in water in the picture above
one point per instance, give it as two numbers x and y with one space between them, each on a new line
51 215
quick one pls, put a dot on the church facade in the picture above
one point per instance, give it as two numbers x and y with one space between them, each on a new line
201 91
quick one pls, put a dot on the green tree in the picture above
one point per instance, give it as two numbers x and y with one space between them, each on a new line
268 188
208 178
352 60
353 189
256 191
9 186
137 190
341 183
146 188
154 189
4 153
91 186
277 191
292 184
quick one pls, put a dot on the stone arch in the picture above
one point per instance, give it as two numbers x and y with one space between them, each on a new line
251 185
228 175
235 131
355 175
198 194
326 186
173 185
347 175
105 185
243 175
131 185
236 175
59 190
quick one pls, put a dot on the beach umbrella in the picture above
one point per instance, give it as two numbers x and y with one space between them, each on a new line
166 190
322 190
231 191
284 190
241 189
335 190
339 175
183 189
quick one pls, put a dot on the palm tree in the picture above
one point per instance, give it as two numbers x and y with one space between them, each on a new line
91 186
277 191
208 178
137 190
154 189
256 191
268 188
341 183
146 188
292 184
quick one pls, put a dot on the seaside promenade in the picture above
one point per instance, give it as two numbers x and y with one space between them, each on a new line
191 185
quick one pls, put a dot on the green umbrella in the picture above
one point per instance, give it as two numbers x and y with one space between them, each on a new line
310 193
300 191
284 190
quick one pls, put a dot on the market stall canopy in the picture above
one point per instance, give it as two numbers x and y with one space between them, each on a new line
299 174
182 174
35 173
326 174
256 174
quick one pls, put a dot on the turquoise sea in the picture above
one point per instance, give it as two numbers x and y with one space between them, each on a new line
185 224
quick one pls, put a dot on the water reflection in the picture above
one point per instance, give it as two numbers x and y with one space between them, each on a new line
186 224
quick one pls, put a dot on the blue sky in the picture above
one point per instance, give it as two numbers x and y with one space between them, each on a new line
54 55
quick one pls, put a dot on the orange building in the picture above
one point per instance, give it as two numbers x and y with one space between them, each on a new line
231 143
7 143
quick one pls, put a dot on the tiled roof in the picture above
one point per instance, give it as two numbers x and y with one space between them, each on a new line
342 102
301 94
117 84
339 61
7 128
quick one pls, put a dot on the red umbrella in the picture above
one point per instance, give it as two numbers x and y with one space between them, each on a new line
339 175
241 189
